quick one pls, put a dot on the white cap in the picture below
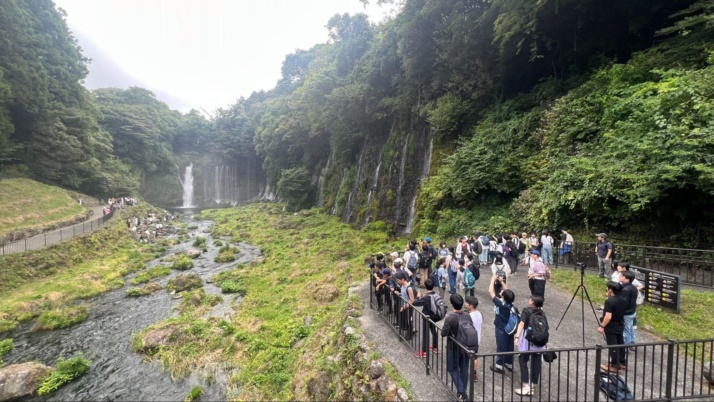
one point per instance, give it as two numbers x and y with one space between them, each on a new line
394 255
399 260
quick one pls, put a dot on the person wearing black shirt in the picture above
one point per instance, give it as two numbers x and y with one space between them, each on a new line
629 292
427 326
457 361
504 342
613 324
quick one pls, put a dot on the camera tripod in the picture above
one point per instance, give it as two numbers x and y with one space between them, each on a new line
583 293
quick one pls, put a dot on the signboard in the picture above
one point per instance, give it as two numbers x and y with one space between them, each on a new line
661 289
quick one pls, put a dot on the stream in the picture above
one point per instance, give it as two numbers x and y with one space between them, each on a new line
116 372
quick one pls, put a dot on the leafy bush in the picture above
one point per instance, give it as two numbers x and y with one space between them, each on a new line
62 317
182 264
150 274
64 372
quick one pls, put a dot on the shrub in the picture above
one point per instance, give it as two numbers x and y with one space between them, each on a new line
199 242
217 243
64 372
184 282
182 264
147 289
194 394
6 345
225 256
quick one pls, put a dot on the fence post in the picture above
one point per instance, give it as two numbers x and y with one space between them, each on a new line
25 244
472 383
670 364
598 362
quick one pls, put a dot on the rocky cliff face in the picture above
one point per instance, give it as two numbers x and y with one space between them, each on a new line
382 181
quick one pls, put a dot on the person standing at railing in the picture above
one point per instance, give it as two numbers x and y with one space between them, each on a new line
603 249
566 246
535 306
471 305
613 325
630 293
425 301
405 311
457 361
546 240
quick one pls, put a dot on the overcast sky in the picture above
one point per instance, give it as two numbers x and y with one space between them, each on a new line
199 53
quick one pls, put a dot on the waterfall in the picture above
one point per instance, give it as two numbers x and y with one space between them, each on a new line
401 177
321 182
188 186
424 175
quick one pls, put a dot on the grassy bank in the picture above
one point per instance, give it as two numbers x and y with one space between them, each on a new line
294 307
695 320
29 204
48 280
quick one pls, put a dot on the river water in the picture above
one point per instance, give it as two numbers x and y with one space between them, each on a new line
116 372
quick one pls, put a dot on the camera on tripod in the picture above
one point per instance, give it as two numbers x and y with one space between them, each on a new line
580 265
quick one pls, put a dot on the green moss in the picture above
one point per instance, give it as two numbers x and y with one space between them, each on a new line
61 317
183 263
199 242
147 289
230 281
217 243
64 372
184 282
194 394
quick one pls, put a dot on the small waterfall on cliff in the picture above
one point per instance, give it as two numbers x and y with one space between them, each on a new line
321 182
424 175
188 186
402 166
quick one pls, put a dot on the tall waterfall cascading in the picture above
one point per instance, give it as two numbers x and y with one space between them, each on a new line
401 177
188 186
222 185
424 175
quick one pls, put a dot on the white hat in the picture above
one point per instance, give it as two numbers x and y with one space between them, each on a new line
394 255
399 260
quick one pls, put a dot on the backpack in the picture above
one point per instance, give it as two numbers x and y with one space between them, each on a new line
412 261
424 260
437 307
547 273
484 241
469 279
514 252
513 319
435 278
615 387
432 253
521 247
537 329
467 335
475 271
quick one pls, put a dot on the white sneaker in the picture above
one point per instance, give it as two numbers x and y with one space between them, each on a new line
524 391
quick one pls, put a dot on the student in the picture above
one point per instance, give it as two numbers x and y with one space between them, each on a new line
427 325
460 278
500 268
386 288
535 306
463 247
546 240
457 361
452 271
503 303
629 292
405 311
485 247
537 275
377 279
442 275
566 245
471 304
613 325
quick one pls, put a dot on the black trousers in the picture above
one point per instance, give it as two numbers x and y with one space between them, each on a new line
536 362
618 356
539 288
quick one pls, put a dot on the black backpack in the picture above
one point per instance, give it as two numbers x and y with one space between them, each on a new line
475 271
521 247
435 278
466 335
514 251
537 328
424 260
615 387
437 309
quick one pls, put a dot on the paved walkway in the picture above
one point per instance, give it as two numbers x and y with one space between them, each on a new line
570 371
53 237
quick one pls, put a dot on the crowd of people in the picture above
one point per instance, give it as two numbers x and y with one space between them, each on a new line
119 204
422 275
150 227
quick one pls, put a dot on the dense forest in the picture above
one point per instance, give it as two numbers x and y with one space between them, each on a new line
453 116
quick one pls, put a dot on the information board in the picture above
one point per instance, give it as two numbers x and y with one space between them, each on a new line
661 288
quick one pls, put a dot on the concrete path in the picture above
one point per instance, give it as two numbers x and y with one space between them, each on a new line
53 237
573 372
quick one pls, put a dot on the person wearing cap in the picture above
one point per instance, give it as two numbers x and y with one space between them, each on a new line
603 249
537 275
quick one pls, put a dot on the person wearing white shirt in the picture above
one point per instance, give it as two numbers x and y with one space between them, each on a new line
471 304
546 240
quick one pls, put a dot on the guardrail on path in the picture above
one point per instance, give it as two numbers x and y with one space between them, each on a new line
695 267
660 371
56 236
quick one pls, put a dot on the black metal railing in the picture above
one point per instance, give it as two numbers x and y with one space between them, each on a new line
56 236
695 267
659 371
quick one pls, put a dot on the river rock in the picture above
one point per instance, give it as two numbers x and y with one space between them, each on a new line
21 380
376 369
258 260
185 282
402 395
318 387
156 338
349 331
707 372
192 253
327 293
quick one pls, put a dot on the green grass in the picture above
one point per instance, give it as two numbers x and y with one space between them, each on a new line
30 204
266 339
64 372
184 282
194 394
199 242
231 281
62 317
695 320
85 266
183 263
147 289
152 273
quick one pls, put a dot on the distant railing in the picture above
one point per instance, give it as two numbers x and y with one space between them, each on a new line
695 267
50 238
659 371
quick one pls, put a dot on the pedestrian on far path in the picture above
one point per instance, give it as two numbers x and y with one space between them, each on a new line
603 249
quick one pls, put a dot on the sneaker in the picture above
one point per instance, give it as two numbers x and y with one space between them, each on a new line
496 369
461 398
434 350
524 391
420 354
509 368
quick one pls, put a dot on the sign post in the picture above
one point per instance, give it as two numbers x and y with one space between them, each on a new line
661 288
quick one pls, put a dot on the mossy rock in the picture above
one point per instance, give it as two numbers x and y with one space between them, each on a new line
182 264
147 289
184 282
193 253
